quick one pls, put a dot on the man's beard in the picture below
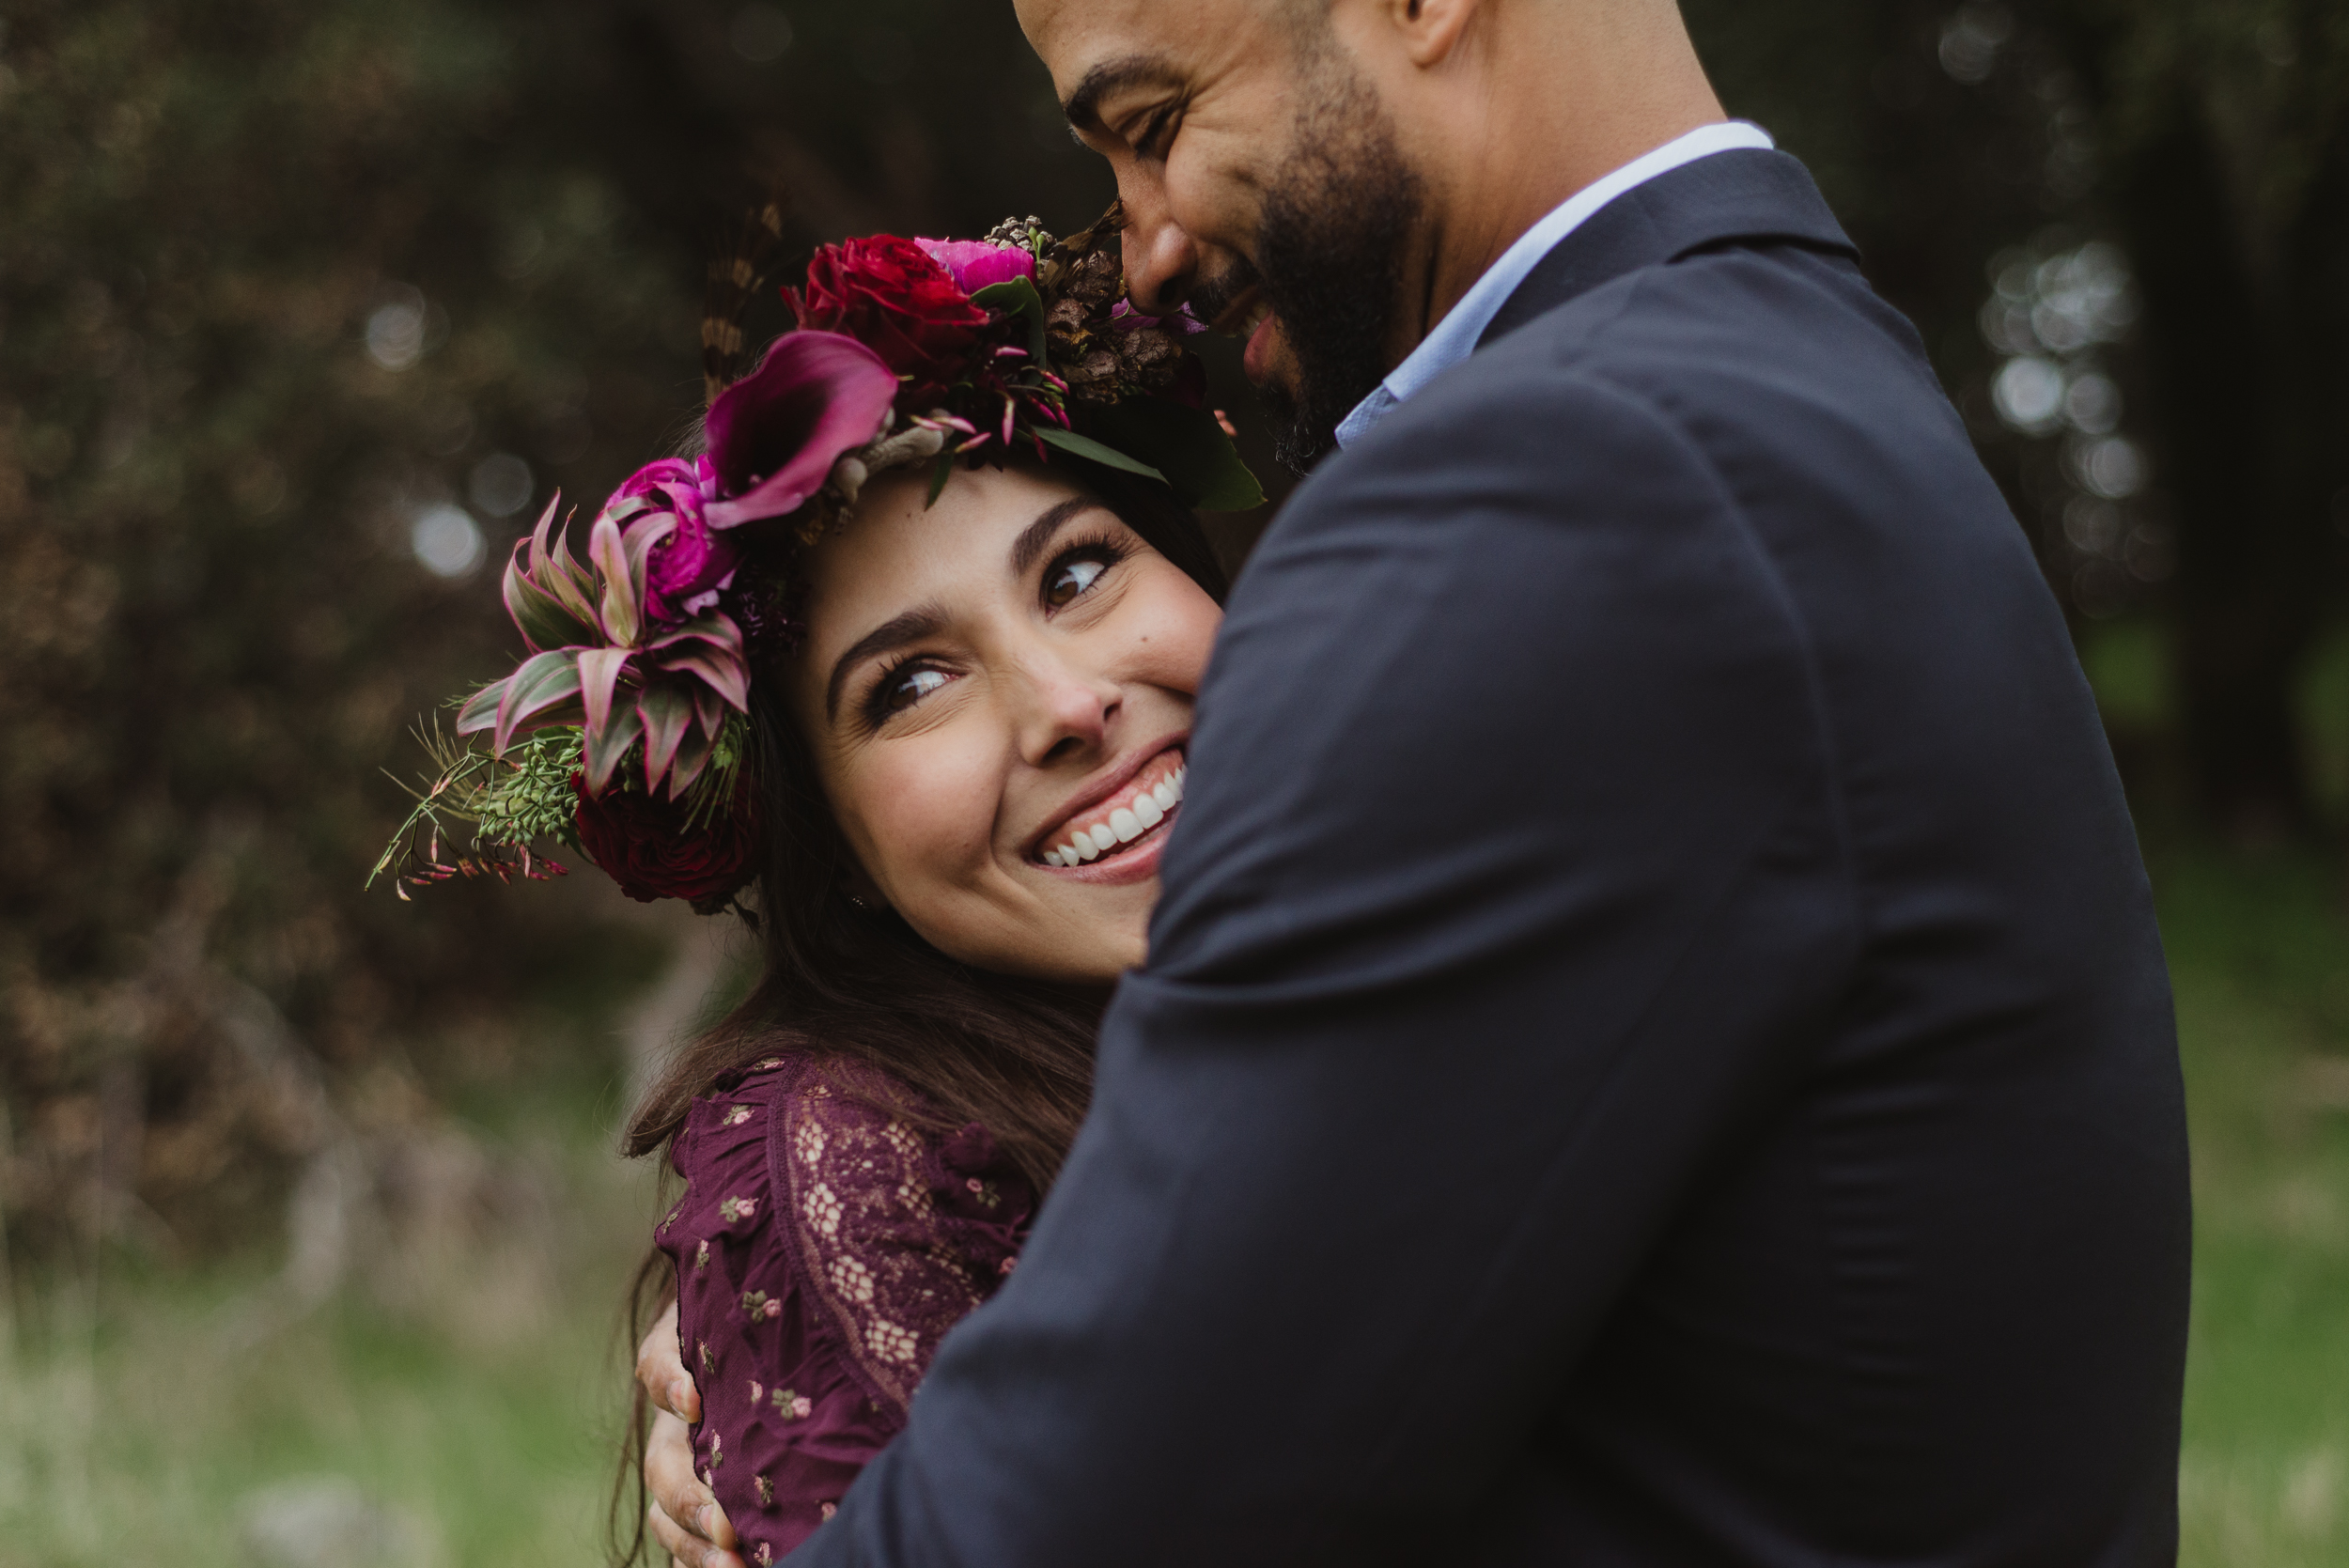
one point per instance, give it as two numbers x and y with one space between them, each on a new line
1329 248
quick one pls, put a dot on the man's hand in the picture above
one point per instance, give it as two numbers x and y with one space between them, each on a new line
683 1515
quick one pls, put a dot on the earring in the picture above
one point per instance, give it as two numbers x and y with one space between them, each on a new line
859 902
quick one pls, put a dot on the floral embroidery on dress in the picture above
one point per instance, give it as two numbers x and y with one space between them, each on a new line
766 1491
765 1556
732 1210
890 1260
708 1366
735 1116
888 1339
701 1257
793 1407
823 1210
830 1509
758 1306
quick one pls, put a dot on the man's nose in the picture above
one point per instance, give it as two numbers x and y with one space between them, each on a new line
1161 258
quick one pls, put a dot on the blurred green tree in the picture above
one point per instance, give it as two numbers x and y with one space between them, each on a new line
306 306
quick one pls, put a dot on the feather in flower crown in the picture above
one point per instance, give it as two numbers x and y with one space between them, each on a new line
623 735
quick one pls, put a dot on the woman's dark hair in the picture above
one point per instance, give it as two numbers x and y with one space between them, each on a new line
1013 1054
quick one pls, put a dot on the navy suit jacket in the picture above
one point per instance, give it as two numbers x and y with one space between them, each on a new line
1655 1049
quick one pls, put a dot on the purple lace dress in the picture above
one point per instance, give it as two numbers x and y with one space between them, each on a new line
823 1247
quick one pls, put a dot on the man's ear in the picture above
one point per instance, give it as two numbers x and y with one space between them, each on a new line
1431 28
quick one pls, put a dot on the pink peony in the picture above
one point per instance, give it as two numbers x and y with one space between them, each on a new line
975 264
693 565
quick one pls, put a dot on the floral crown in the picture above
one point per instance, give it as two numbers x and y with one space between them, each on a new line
623 735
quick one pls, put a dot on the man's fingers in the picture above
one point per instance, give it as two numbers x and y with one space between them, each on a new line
670 1479
661 1369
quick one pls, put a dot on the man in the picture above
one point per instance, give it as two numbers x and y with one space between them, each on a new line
1656 1048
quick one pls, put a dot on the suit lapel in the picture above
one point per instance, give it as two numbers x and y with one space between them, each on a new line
1747 196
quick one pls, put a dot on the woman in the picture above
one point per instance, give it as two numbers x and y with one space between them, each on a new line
913 646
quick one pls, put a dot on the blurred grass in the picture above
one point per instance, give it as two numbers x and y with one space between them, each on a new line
480 1404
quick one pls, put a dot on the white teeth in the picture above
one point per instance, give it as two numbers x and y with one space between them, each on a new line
1125 825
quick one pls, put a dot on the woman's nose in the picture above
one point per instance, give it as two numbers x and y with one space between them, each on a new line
1161 258
1067 711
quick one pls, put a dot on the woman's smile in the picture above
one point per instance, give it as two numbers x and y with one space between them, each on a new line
1114 831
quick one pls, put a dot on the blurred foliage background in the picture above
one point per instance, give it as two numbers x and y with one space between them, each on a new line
309 1237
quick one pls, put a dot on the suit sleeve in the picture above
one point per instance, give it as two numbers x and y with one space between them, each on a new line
1510 885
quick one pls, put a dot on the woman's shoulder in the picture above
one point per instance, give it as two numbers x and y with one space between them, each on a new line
893 1222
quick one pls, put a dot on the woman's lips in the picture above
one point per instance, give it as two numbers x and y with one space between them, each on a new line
1125 822
1255 359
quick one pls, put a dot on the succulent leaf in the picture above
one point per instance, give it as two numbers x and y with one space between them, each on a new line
622 602
481 709
600 672
608 746
666 707
724 673
544 680
694 752
713 627
544 620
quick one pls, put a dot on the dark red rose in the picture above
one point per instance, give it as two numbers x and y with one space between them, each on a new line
643 843
891 296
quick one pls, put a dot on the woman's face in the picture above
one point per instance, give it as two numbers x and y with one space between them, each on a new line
997 692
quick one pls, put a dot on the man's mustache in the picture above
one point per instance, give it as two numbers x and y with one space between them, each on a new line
1211 296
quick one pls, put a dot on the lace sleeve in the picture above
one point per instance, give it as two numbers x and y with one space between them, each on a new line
899 1232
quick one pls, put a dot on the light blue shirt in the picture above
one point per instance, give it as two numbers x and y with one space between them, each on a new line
1454 337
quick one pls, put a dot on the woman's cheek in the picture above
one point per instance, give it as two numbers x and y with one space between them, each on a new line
930 815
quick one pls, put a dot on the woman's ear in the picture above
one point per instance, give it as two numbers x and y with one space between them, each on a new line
860 889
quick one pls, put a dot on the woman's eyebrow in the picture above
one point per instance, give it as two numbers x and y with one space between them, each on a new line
1036 537
912 626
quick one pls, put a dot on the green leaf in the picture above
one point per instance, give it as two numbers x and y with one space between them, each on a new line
606 747
939 475
667 709
481 709
543 680
1093 451
544 620
1018 297
1187 447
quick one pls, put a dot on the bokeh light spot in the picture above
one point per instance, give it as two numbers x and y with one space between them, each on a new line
501 485
761 33
448 541
396 330
2030 393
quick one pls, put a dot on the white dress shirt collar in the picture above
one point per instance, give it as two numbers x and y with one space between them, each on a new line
1454 337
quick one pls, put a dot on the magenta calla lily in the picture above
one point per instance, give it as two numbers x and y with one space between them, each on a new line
975 264
775 434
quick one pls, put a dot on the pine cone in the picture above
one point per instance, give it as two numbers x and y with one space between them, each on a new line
1148 359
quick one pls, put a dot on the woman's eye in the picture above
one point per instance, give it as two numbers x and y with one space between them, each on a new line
911 687
1071 579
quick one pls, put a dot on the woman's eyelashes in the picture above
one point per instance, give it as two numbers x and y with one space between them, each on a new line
902 684
1076 569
